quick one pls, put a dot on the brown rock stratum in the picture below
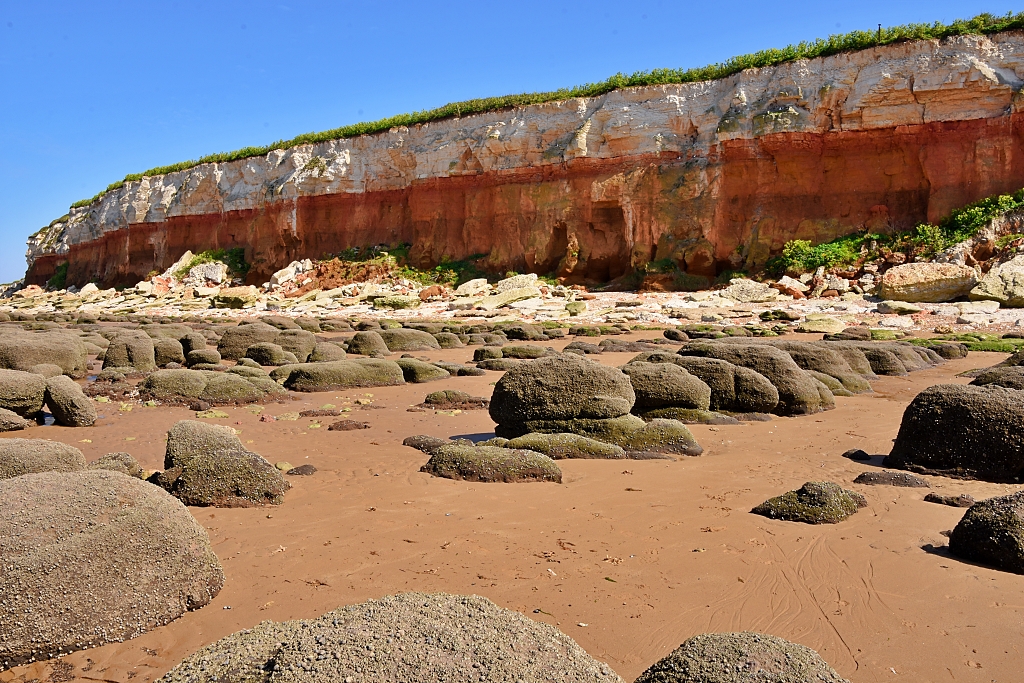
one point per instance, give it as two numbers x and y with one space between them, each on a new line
713 175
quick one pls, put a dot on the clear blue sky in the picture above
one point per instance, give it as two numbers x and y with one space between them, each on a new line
94 90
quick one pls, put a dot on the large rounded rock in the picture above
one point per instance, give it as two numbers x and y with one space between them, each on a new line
31 456
660 385
12 422
734 389
1008 376
976 432
631 433
206 464
491 464
185 386
816 502
408 340
927 282
203 357
235 340
167 350
298 342
341 374
268 353
95 557
407 637
818 357
417 371
22 392
325 352
192 341
798 393
1003 283
564 387
740 658
68 403
130 349
567 446
992 532
119 462
368 343
23 350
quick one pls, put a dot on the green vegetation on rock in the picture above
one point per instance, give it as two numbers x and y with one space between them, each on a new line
234 259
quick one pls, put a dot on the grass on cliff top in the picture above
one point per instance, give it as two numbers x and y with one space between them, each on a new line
924 241
983 24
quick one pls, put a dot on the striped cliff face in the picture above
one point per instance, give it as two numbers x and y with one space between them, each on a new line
713 175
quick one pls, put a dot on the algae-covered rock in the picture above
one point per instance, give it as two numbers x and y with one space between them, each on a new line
130 349
22 392
527 351
816 502
167 350
491 464
566 446
734 389
235 340
417 371
628 431
105 557
408 340
498 364
299 343
12 422
23 350
740 658
447 340
834 386
202 357
991 532
396 302
185 386
660 385
325 352
368 343
119 462
206 464
236 297
342 374
268 353
1008 376
412 637
686 415
68 403
30 456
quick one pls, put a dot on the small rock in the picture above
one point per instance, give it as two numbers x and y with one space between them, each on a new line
856 454
892 479
964 500
302 470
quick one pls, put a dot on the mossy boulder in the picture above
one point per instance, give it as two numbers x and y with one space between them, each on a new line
68 403
235 340
341 374
566 446
734 389
325 352
368 343
248 372
12 422
491 464
565 387
627 431
46 370
31 456
192 341
834 386
974 432
687 416
527 351
130 349
486 353
281 322
105 557
818 357
447 340
660 385
408 340
300 343
459 370
22 392
417 371
185 386
167 350
816 502
119 462
1010 377
203 357
268 353
206 464
499 364
23 350
991 532
740 658
798 393
396 302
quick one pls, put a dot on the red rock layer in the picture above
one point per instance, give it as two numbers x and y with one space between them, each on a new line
594 220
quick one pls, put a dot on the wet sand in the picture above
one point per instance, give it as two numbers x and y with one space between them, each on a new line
627 557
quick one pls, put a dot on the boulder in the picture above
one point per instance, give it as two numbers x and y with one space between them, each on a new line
298 342
963 500
474 287
236 297
12 422
105 557
30 456
498 364
927 282
417 371
688 416
340 374
458 369
22 392
235 340
816 502
206 464
659 436
202 357
408 637
973 432
396 302
408 340
734 389
46 370
166 350
515 282
191 342
566 446
325 352
821 326
1004 283
749 291
661 385
130 349
268 353
491 464
1007 376
447 340
885 478
798 394
119 462
490 303
186 386
991 532
898 307
560 388
68 403
368 343
525 351
740 658
281 322
23 350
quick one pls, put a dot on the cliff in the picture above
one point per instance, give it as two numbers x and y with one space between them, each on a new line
713 175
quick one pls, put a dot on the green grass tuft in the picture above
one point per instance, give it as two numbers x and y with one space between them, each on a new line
983 24
233 258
